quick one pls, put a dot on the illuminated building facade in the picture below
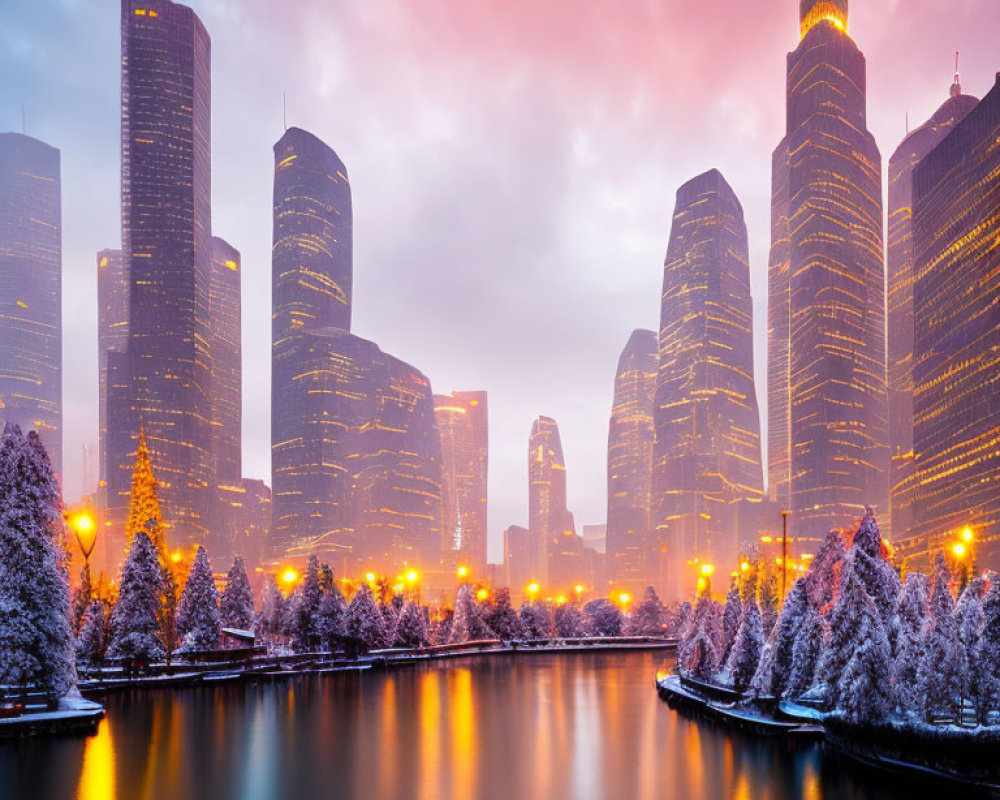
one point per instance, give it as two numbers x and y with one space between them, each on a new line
112 337
462 421
956 311
552 530
828 429
31 289
166 378
706 458
899 264
226 348
245 519
518 560
631 435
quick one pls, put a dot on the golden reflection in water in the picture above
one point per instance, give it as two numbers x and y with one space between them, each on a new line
97 774
811 787
463 733
388 762
543 743
693 757
649 752
727 762
430 733
742 788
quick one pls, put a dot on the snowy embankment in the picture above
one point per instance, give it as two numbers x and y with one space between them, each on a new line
75 715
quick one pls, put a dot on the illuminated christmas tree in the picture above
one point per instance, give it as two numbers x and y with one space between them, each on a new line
143 505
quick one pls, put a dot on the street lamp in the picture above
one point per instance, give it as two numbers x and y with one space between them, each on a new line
85 528
462 571
784 551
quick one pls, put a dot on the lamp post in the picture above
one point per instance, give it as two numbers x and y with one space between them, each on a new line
784 551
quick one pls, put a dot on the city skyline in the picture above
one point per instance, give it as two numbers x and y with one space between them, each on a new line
585 454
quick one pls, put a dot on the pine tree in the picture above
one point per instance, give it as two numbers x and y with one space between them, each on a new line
682 619
143 504
36 629
568 621
862 691
970 619
986 675
938 678
332 618
236 605
806 653
606 617
411 630
699 654
502 618
536 621
82 596
745 656
467 624
823 578
906 640
169 599
363 626
775 668
92 642
135 620
732 614
768 605
302 611
877 575
270 619
198 621
649 618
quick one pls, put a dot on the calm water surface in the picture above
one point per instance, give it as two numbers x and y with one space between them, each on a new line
531 727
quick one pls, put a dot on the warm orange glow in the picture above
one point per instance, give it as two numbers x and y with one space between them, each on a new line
824 12
744 566
578 588
967 534
959 550
412 576
482 595
463 571
370 577
561 599
701 585
533 589
398 588
85 527
707 569
624 598
289 576
766 539
662 675
175 556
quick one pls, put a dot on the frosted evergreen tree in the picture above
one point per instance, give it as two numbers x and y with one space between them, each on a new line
682 619
986 674
939 678
411 630
606 617
862 691
331 618
906 640
768 605
502 618
236 604
732 614
466 625
649 617
302 611
92 642
749 642
879 578
970 619
823 577
36 629
169 600
806 653
441 630
775 669
199 624
569 621
363 629
82 596
536 621
270 618
699 654
135 620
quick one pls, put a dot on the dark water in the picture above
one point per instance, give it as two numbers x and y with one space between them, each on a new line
531 727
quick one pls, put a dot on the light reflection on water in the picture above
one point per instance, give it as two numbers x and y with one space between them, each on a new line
570 727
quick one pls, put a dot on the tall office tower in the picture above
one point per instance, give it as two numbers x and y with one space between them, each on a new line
31 289
828 430
463 424
913 149
226 347
518 558
706 459
956 356
549 521
167 244
357 455
630 460
112 337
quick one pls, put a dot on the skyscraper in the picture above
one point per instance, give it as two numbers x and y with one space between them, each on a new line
31 289
911 151
956 356
463 424
706 458
549 521
226 348
112 337
827 433
631 434
167 244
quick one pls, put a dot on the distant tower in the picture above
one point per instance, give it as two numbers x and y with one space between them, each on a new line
112 337
956 347
827 409
631 433
548 517
226 346
904 161
706 459
31 289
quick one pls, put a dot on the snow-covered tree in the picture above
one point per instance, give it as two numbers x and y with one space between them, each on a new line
135 620
862 692
768 605
970 619
198 622
823 577
806 653
681 620
502 617
331 617
169 601
938 677
441 630
877 575
363 629
82 596
699 654
302 611
92 642
906 640
775 667
536 621
468 624
745 655
270 618
411 631
236 604
732 614
606 616
986 674
569 621
36 629
649 618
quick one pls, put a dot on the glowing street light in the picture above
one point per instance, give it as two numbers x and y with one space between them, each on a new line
958 549
462 571
482 595
288 577
744 566
967 534
175 557
370 577
707 569
533 589
578 588
624 598
85 528
412 576
561 599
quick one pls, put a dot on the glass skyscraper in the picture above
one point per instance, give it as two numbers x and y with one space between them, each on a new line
31 289
227 349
